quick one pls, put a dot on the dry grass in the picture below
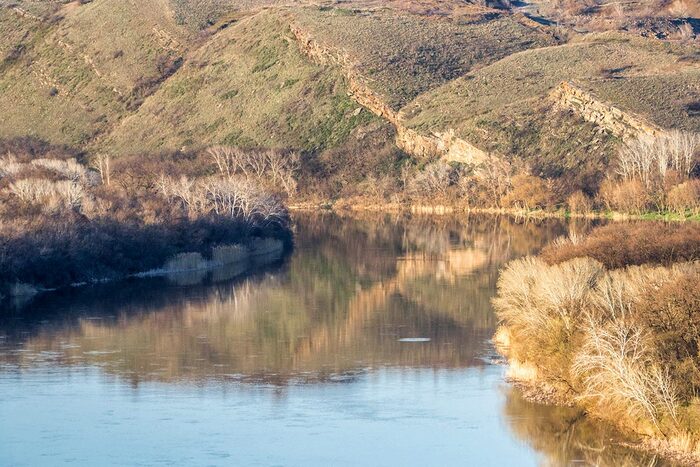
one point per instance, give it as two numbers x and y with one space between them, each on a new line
404 55
505 108
586 332
248 86
620 245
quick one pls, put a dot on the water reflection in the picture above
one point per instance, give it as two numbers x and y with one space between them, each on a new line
391 298
565 436
342 304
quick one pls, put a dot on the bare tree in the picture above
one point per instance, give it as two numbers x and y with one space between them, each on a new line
223 157
276 169
103 166
283 169
235 197
648 158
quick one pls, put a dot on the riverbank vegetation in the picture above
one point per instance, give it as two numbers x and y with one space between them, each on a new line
68 218
648 174
610 322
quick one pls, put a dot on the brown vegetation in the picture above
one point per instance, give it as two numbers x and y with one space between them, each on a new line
62 222
620 245
610 323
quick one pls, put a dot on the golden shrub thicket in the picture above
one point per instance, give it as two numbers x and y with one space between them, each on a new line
685 198
620 245
579 203
585 330
655 173
621 341
528 192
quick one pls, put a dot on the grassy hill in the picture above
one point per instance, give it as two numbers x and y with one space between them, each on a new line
129 77
405 55
506 107
248 86
70 74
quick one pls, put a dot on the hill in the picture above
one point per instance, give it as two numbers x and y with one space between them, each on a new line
456 82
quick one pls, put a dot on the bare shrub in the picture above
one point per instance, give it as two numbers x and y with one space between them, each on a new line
10 166
496 175
671 310
70 193
685 198
236 198
624 343
529 192
32 190
433 181
50 195
620 245
276 170
621 375
541 304
579 203
628 196
68 168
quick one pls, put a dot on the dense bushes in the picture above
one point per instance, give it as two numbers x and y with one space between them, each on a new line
60 224
594 324
655 174
651 174
619 245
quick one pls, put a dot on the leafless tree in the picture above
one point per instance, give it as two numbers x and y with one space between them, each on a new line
276 169
648 158
235 197
224 157
103 165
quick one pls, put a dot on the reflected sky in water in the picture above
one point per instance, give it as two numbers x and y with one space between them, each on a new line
369 345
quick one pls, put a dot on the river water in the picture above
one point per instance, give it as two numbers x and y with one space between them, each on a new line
369 346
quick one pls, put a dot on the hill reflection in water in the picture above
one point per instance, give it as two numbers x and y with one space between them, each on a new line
340 305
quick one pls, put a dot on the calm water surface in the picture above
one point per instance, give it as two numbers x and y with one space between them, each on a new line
368 346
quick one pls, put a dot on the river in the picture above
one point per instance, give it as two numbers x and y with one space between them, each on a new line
368 345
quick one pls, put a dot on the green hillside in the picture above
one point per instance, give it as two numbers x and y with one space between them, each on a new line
248 86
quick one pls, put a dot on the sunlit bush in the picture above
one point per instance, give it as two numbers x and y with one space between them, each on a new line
587 333
619 245
529 192
685 198
579 203
628 196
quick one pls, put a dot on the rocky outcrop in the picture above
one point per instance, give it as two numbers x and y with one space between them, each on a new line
438 144
445 145
619 123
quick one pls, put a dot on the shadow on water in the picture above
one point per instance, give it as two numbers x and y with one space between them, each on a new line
357 296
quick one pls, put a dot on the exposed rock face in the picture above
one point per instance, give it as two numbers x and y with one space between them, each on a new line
443 145
619 123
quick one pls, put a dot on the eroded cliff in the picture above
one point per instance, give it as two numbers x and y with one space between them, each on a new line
435 145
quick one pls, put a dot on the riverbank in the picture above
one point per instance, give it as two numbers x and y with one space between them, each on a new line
65 223
235 259
609 323
448 209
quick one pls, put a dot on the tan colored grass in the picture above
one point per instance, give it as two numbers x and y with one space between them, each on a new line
580 329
